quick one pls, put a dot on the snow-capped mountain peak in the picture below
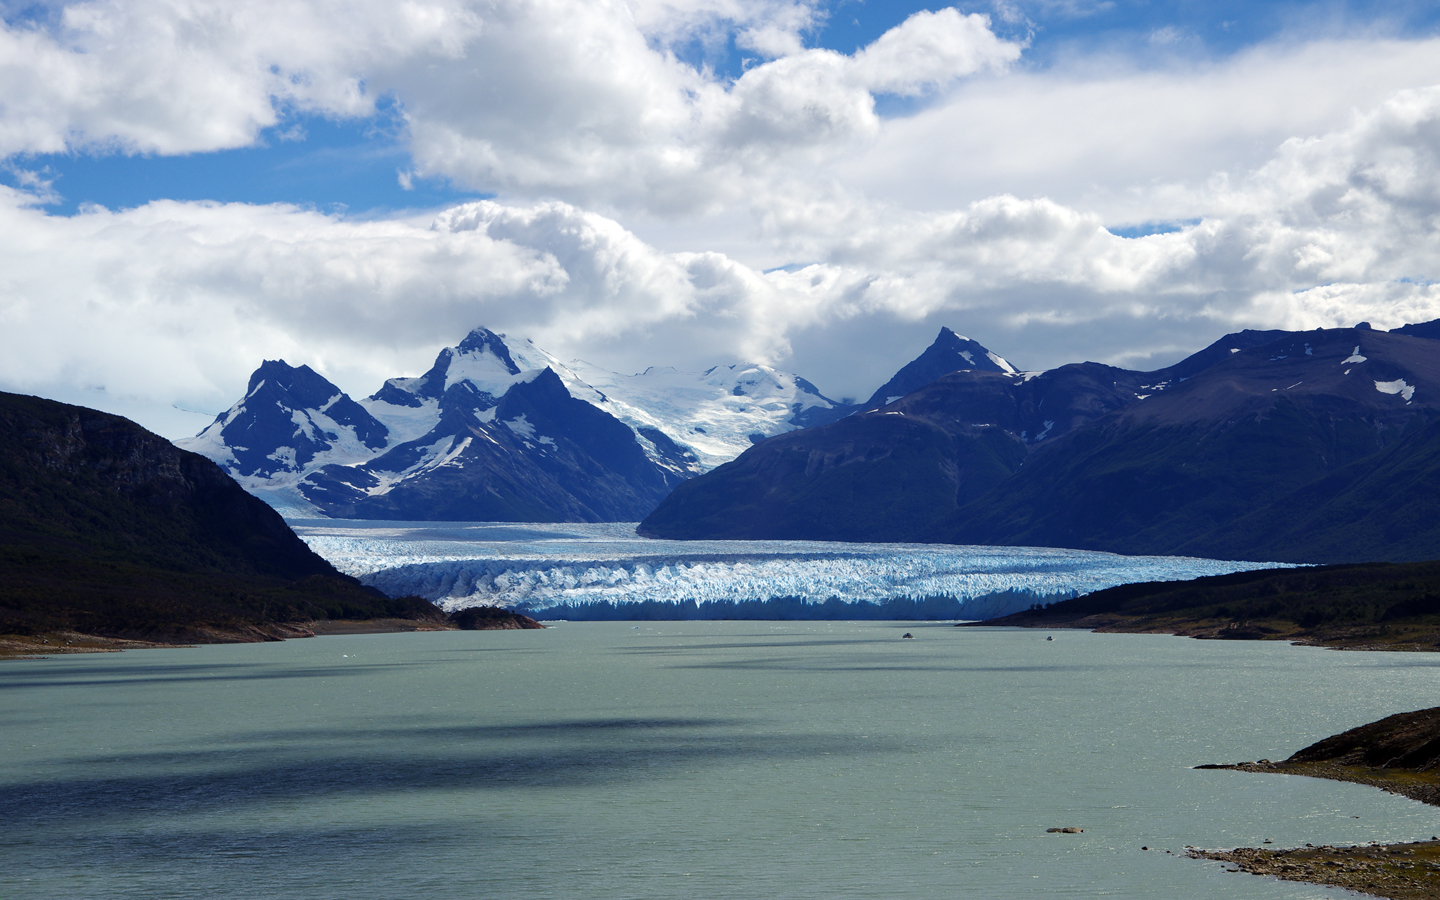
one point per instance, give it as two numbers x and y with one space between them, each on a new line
291 421
950 352
319 448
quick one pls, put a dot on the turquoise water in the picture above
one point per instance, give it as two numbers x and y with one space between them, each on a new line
692 760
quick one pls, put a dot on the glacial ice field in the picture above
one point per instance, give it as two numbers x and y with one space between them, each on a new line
536 567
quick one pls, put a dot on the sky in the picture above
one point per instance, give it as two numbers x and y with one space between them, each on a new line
189 187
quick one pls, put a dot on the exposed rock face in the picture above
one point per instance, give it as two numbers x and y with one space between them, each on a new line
296 409
539 455
901 471
1252 458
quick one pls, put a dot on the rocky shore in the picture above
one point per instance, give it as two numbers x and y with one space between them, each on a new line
1397 871
1399 754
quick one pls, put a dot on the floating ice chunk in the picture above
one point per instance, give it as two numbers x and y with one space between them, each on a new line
1398 386
1354 357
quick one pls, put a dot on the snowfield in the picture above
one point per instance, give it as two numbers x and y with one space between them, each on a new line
535 567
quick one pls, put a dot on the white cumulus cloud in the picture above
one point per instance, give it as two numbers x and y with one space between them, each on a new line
639 195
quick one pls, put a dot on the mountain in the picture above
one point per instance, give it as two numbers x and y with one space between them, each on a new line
898 472
1316 447
536 455
107 529
1230 462
950 352
1429 329
499 429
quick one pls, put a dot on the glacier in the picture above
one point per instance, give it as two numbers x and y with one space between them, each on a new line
539 567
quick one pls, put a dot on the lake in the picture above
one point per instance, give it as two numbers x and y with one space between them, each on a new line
695 759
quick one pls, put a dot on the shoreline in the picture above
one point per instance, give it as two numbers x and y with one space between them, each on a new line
1403 871
68 643
1409 871
1402 638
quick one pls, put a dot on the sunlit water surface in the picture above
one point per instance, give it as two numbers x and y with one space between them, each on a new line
682 760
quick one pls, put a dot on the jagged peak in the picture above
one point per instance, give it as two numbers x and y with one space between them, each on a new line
949 352
308 387
483 340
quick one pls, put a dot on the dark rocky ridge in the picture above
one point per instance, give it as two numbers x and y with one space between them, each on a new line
1220 465
107 529
490 618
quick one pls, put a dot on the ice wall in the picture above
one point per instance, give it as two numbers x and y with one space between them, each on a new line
535 567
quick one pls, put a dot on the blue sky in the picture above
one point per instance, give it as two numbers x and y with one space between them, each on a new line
189 189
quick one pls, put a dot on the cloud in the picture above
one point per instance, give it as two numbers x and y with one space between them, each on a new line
987 206
183 299
183 76
579 99
1132 143
615 123
178 302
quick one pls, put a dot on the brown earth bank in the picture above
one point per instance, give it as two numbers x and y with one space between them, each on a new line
1399 754
1366 606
